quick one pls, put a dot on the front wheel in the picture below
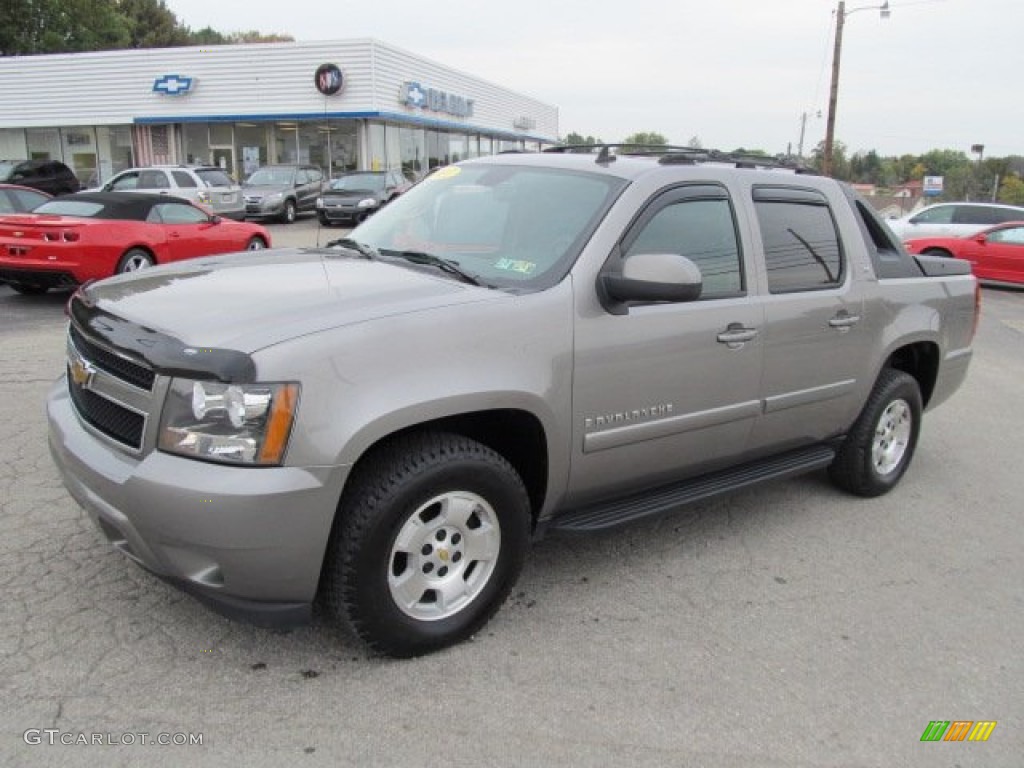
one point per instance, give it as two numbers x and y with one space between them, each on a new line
430 539
256 244
880 445
289 212
134 260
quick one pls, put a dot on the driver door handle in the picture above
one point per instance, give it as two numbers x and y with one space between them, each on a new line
736 335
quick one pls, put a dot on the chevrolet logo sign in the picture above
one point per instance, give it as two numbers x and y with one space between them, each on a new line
173 85
81 372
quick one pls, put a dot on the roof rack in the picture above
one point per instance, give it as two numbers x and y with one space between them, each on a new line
668 154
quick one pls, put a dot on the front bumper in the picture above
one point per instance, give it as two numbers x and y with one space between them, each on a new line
249 542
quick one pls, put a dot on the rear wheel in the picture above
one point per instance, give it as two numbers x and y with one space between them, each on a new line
879 447
429 541
937 252
134 260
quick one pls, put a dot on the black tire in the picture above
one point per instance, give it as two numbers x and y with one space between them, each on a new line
453 500
324 221
27 289
134 260
289 212
256 243
937 252
880 445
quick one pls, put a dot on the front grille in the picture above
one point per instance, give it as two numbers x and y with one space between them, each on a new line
108 417
111 394
120 367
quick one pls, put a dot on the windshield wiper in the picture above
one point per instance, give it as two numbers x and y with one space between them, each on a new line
445 265
354 245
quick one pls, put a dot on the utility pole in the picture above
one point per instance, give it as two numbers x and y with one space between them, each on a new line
833 94
803 130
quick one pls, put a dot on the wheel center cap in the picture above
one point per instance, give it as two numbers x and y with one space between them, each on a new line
442 554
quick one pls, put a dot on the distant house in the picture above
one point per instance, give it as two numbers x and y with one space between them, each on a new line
912 189
868 190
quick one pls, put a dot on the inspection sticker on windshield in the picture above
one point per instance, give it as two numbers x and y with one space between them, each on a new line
514 265
446 173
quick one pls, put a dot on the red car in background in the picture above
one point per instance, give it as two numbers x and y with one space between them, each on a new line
71 239
996 253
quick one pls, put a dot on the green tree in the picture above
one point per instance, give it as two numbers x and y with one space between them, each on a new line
1011 191
649 139
574 139
152 24
206 36
840 162
253 36
60 26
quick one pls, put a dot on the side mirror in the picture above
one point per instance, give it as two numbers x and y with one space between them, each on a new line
650 277
216 219
981 238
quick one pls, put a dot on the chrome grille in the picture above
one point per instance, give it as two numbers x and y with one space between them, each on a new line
110 393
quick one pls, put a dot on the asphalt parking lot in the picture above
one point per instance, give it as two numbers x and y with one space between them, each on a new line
789 626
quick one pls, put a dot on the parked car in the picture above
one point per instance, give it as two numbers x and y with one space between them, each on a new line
50 176
354 196
68 240
282 191
996 254
17 199
954 220
206 185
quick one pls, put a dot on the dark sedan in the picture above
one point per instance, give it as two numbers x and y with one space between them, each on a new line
354 196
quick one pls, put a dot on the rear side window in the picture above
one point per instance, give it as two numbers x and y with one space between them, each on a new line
1005 215
975 214
153 180
801 245
183 179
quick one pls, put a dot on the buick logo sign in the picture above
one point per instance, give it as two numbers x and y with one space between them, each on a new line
328 79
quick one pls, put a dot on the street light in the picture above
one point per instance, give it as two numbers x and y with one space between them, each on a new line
830 129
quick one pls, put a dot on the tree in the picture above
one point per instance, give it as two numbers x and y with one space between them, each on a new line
60 26
253 36
573 139
645 140
1011 191
152 24
840 163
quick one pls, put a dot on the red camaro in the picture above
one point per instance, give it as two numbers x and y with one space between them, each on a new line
997 253
71 239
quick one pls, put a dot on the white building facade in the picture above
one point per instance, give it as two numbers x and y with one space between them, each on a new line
341 105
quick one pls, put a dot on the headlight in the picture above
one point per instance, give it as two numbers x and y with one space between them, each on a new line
368 202
230 423
319 202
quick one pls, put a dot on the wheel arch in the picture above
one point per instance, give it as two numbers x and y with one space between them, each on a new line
515 434
920 359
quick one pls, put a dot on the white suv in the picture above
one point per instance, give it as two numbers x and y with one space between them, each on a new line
207 185
954 220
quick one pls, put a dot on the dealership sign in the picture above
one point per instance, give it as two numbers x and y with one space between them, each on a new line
414 95
173 85
932 186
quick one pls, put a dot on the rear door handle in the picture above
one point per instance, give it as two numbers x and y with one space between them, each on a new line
736 335
844 321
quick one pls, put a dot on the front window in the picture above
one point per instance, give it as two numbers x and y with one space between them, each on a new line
940 214
1010 235
513 227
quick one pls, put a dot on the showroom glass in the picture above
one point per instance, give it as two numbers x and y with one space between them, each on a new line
517 228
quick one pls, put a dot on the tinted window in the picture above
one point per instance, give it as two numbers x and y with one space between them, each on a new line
939 214
125 181
801 246
214 177
1011 236
153 180
704 232
176 213
184 179
1004 215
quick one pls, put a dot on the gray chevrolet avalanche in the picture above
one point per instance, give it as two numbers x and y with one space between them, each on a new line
519 343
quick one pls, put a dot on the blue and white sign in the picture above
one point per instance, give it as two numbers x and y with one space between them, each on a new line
932 186
173 85
414 95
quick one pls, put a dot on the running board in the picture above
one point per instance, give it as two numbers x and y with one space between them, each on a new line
664 499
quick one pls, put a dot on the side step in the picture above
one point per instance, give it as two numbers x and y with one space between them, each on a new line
667 498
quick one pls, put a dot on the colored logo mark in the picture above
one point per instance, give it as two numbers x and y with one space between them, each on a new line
958 730
172 85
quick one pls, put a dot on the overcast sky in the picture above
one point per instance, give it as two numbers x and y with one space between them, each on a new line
937 74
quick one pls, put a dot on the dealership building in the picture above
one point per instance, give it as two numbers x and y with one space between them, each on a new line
342 105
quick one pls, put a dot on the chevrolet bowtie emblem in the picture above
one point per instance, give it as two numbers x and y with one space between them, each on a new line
81 372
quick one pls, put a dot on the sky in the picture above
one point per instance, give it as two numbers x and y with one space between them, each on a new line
732 73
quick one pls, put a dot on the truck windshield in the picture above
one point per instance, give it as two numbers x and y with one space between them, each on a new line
514 227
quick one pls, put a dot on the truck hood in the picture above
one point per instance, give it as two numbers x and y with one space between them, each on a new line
252 300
